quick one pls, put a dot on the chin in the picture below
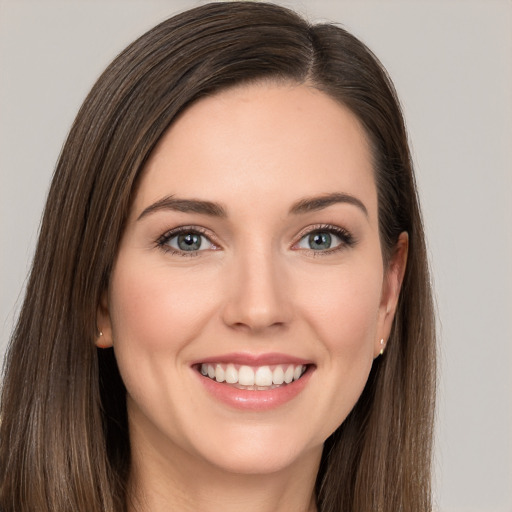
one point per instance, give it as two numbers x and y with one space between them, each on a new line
258 450
263 462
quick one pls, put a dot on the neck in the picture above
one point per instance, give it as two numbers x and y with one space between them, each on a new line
171 477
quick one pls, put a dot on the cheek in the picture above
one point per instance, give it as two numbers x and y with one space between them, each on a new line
155 310
343 307
340 306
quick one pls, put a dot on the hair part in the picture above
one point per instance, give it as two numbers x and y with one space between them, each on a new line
64 442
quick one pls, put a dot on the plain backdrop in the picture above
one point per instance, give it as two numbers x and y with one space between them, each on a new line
451 62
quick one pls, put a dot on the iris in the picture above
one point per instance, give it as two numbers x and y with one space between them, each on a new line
189 242
320 241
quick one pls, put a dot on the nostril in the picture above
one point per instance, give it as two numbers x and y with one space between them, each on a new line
257 300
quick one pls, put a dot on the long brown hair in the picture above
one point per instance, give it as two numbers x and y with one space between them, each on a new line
63 436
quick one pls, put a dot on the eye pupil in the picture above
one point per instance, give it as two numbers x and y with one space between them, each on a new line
320 240
189 242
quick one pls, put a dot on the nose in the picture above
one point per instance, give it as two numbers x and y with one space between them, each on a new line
259 296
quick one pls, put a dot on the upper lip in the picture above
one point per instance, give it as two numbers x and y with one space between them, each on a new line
271 358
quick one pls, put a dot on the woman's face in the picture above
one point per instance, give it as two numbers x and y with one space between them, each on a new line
252 255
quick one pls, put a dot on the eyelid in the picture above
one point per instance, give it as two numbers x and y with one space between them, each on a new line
346 237
162 241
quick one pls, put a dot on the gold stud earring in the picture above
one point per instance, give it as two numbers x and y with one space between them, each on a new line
381 346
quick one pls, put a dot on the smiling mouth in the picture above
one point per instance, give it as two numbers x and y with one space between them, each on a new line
254 378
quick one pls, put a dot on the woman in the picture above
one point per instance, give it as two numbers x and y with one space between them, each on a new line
229 303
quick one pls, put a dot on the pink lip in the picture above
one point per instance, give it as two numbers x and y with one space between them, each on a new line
254 400
254 359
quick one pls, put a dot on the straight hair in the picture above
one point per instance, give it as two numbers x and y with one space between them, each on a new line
64 442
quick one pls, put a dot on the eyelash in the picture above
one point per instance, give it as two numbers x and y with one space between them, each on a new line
162 241
347 239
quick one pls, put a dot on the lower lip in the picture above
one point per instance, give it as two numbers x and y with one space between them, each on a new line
255 400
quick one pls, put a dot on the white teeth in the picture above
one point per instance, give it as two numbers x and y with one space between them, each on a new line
297 372
278 375
231 374
262 377
220 374
288 374
246 376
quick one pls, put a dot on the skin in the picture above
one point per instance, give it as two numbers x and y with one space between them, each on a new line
258 287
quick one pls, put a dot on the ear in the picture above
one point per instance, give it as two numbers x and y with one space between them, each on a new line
393 278
104 334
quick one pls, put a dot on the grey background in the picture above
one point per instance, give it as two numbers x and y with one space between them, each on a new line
451 62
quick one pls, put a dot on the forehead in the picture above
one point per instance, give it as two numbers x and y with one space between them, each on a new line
264 141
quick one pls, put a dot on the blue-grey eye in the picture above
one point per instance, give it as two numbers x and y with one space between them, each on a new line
190 241
319 241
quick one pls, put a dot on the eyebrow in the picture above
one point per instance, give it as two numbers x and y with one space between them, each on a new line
185 205
308 204
311 204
